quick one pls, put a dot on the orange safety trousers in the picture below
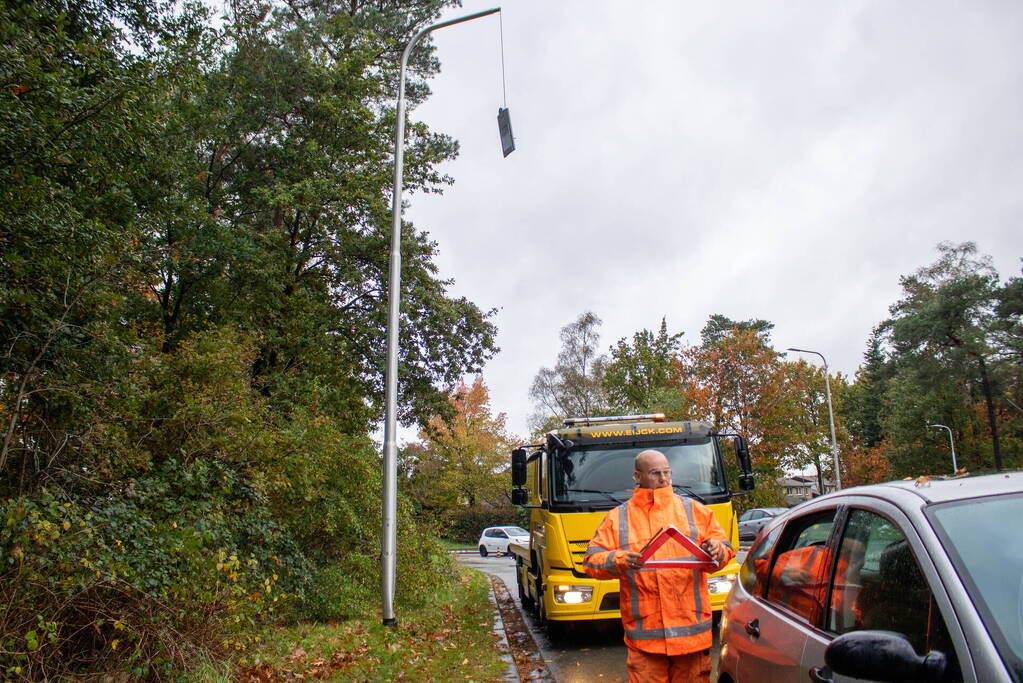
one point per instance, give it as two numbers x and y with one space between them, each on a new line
645 667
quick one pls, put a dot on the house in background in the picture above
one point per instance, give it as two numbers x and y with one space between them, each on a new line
799 488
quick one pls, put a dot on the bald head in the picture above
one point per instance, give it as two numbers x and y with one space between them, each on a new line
652 470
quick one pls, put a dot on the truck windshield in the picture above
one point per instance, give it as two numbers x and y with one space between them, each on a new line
601 475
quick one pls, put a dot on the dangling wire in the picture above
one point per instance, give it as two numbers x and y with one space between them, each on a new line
504 85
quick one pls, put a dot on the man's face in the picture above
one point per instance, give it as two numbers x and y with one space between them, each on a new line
652 470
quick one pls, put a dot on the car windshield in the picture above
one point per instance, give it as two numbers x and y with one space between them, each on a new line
515 531
983 540
602 475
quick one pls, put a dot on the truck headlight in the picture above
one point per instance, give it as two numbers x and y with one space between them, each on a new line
573 595
720 585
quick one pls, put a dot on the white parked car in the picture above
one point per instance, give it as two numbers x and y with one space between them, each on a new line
495 539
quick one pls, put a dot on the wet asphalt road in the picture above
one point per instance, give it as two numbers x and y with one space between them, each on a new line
588 653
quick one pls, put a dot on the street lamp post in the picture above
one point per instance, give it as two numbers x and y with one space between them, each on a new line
831 416
388 541
951 444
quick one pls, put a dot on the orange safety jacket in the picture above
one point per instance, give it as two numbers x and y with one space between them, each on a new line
667 610
799 580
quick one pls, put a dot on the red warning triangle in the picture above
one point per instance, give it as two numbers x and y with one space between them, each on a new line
700 559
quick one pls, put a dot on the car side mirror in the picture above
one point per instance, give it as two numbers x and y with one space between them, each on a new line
520 497
884 656
518 467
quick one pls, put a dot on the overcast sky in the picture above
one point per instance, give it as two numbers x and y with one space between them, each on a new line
777 160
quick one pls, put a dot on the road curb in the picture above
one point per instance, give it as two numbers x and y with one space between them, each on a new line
502 634
529 662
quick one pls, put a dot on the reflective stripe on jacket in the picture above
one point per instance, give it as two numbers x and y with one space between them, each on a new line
664 611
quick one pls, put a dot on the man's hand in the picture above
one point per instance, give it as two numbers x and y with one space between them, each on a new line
633 560
715 549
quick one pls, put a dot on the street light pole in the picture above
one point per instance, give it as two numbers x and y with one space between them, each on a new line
951 444
831 416
388 540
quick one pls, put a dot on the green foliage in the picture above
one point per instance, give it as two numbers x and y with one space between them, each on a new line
466 524
720 327
193 250
951 350
863 409
639 375
144 581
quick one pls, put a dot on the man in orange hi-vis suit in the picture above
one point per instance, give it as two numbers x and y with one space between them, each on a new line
665 611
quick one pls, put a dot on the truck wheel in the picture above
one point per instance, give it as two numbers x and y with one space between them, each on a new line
527 602
483 550
556 630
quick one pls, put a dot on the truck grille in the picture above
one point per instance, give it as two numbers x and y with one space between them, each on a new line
578 550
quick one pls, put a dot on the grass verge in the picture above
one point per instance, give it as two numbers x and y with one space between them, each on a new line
451 639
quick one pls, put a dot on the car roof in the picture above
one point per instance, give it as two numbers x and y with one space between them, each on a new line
938 489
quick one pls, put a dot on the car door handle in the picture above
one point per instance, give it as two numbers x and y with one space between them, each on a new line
753 628
821 674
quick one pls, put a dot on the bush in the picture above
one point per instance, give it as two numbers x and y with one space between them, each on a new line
147 581
189 513
465 525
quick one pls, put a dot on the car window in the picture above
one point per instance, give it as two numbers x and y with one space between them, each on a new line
490 533
878 585
753 573
499 533
516 531
798 576
746 516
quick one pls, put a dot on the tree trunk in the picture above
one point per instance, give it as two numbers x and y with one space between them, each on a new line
820 475
992 422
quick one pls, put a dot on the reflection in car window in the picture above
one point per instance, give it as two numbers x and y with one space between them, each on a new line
878 585
800 570
984 540
753 573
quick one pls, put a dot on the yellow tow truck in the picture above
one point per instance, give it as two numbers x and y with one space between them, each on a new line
584 469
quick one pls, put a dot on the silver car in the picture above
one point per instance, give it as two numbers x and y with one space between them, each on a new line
906 581
754 519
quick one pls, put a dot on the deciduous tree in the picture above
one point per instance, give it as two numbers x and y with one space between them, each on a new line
639 375
574 386
463 458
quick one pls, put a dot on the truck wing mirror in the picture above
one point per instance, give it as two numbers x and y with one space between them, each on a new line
518 467
742 456
520 497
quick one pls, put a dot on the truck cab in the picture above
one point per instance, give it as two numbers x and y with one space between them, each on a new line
582 470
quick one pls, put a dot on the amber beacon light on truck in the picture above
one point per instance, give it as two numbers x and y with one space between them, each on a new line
572 478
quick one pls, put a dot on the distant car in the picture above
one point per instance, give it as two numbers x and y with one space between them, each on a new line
495 539
751 521
906 581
